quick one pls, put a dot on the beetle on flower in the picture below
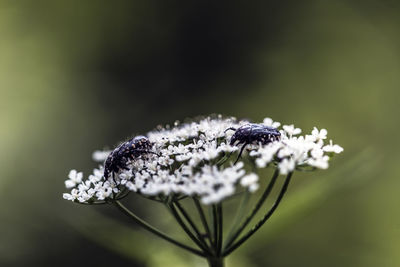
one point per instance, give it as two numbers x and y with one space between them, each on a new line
202 161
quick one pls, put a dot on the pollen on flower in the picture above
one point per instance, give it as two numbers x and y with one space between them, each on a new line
196 159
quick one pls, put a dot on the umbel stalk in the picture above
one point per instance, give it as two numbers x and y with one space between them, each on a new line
215 262
209 237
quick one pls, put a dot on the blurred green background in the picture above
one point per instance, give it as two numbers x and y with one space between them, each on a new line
76 76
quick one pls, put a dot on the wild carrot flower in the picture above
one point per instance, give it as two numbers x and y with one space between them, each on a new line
197 160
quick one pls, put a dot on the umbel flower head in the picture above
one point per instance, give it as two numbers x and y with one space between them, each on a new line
198 159
205 161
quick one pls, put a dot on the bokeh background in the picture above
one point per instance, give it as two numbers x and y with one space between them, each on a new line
76 76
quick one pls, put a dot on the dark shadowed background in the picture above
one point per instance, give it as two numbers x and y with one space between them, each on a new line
76 76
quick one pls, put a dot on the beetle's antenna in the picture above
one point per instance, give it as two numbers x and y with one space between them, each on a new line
230 128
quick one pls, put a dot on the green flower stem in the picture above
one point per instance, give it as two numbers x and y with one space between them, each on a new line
263 220
223 159
239 214
211 216
258 205
155 231
175 213
215 227
203 219
220 228
215 262
192 224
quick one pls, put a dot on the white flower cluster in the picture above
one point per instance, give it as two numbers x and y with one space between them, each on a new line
293 151
196 159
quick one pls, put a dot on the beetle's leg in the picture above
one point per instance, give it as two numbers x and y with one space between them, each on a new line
240 153
230 128
113 177
106 174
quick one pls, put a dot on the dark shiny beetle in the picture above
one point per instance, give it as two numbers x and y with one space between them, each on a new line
120 156
253 133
